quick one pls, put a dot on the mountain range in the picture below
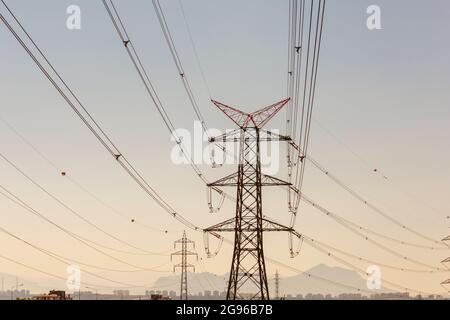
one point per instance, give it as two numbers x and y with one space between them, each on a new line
297 284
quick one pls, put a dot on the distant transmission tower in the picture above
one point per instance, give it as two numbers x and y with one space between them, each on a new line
248 265
277 285
447 260
184 265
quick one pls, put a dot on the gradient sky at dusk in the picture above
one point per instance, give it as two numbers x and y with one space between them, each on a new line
383 94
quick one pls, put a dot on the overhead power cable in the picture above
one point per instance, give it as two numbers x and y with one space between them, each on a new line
303 134
304 43
123 285
18 201
194 48
69 177
310 275
316 243
128 44
319 278
339 284
143 75
71 210
297 20
53 255
91 123
365 273
364 236
176 58
181 72
376 170
367 203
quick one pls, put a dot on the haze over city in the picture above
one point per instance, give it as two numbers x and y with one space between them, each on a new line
378 142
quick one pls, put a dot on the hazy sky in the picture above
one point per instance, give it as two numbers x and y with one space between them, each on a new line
383 93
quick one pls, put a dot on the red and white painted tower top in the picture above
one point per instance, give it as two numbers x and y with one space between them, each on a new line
257 119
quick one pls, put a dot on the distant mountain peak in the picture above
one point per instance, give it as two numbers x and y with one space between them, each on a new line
297 284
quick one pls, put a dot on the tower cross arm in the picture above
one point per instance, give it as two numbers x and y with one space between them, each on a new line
264 135
180 253
257 119
232 180
180 265
229 225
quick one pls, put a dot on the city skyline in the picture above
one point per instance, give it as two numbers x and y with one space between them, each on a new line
379 127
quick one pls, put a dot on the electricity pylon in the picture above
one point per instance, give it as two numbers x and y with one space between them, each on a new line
445 261
249 224
184 265
277 285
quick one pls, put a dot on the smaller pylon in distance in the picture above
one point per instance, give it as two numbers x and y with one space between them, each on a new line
184 265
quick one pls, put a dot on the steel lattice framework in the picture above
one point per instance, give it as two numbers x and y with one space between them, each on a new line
446 261
184 265
248 264
277 286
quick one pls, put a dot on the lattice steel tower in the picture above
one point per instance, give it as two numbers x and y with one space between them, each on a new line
447 260
248 265
277 285
184 265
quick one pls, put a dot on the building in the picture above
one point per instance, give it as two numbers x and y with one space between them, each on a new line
53 295
159 297
149 293
122 293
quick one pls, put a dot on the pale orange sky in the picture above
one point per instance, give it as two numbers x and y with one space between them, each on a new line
383 93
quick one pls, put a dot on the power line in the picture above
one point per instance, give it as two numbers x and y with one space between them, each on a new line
310 275
363 272
371 205
374 169
143 75
93 126
297 52
194 48
294 57
367 203
292 60
305 127
318 244
176 58
119 156
184 78
365 237
297 76
127 286
15 199
324 279
62 258
71 210
314 243
378 234
72 180
121 30
339 218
